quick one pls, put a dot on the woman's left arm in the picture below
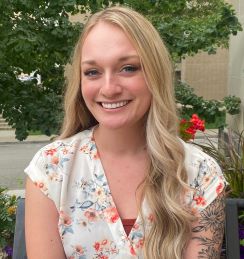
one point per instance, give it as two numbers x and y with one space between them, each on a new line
208 231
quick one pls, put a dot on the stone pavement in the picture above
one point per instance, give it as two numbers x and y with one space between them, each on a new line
8 137
201 137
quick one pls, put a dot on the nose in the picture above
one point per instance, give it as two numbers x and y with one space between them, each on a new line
110 86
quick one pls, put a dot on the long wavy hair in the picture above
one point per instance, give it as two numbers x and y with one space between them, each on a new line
165 184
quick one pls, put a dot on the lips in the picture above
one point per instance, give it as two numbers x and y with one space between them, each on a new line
114 105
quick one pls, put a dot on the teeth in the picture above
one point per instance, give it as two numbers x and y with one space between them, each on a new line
114 105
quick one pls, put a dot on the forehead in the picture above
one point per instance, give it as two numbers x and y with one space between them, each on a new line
106 39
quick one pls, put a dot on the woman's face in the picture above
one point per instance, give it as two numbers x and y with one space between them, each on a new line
112 81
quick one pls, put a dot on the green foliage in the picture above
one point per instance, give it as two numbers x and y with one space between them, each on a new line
234 165
208 110
183 133
35 35
190 26
7 218
38 36
232 104
205 109
242 242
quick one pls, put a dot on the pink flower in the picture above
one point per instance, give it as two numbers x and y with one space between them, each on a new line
198 124
219 188
200 200
189 128
136 226
84 148
132 250
65 218
65 151
104 242
55 160
91 215
41 185
79 249
111 215
140 243
96 246
50 151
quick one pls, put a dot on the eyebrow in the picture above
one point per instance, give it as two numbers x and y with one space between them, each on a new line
122 59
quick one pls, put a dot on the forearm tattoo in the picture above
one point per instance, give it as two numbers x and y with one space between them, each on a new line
211 220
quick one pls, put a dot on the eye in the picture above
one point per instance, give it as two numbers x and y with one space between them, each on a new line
91 73
129 68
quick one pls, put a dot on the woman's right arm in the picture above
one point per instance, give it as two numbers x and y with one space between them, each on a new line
41 225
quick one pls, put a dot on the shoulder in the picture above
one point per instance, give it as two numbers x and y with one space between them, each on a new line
64 148
197 162
67 143
205 177
52 165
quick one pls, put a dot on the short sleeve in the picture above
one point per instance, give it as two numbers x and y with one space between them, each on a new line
205 179
45 172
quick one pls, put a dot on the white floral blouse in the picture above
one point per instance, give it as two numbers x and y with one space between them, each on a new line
70 173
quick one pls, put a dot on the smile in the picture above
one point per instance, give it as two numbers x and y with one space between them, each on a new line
114 105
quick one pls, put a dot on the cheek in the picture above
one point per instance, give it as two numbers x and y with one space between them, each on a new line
87 91
147 103
147 98
143 91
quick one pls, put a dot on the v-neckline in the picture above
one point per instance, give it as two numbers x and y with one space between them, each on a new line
113 205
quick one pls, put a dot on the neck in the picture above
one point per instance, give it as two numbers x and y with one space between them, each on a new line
129 140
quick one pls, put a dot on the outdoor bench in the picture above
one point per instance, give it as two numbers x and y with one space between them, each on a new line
232 242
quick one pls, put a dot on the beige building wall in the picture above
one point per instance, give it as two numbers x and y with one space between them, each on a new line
236 67
79 17
215 76
207 74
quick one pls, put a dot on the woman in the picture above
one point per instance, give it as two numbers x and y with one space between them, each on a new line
119 183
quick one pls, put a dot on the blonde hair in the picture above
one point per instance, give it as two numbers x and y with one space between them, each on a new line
165 184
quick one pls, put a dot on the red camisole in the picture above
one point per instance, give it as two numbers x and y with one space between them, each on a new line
128 224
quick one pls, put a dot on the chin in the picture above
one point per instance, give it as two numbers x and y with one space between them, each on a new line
113 126
118 125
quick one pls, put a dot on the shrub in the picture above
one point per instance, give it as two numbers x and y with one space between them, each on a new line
208 110
8 206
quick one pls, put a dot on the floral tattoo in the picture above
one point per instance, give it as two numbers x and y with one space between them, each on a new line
211 220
